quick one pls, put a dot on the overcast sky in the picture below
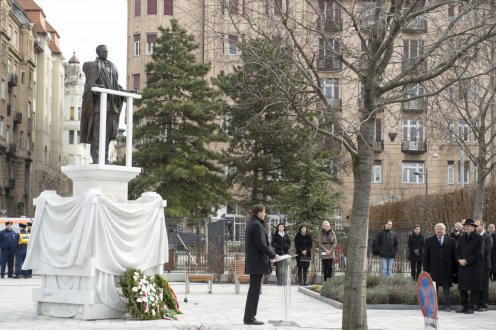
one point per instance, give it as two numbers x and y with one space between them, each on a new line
85 24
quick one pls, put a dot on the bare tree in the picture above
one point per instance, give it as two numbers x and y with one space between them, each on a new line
358 61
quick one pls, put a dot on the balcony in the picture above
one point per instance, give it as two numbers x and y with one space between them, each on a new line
417 105
408 63
11 151
417 25
17 118
9 184
330 63
378 146
413 147
331 24
12 80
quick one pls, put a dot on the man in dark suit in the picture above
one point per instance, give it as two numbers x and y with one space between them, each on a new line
491 230
439 260
482 296
99 73
257 262
469 256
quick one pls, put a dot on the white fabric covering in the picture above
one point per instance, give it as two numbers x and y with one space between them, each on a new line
71 231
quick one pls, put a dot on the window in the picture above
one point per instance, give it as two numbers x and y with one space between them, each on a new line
415 91
330 10
71 113
329 54
413 130
151 8
451 172
2 89
225 123
78 137
1 126
378 129
273 7
463 131
14 103
412 49
458 11
408 170
330 88
377 172
137 8
136 81
137 45
232 44
232 7
151 39
21 140
466 172
168 7
451 135
71 137
79 113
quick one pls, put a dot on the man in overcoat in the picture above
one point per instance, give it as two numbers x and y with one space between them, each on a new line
491 230
483 295
99 73
470 257
439 261
257 261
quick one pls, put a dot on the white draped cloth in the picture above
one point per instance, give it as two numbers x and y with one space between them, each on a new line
68 232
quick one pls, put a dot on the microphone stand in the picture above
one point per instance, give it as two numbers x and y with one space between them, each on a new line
190 257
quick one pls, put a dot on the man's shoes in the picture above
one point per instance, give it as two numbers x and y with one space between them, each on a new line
254 322
482 309
469 311
463 310
475 308
447 309
17 276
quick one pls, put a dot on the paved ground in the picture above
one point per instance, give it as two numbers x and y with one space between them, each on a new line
223 309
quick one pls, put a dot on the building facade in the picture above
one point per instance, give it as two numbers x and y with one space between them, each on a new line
411 155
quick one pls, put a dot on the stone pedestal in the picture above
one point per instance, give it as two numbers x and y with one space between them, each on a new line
73 291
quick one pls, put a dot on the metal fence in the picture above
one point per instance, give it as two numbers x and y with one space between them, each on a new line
221 261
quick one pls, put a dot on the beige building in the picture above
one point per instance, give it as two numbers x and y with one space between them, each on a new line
411 156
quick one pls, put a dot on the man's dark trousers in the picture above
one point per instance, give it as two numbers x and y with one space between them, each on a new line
252 297
7 259
483 295
21 256
466 303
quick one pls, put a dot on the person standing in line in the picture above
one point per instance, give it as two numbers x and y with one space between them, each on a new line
303 245
327 245
281 244
22 249
8 243
415 248
470 258
385 245
257 262
491 231
439 261
483 295
456 233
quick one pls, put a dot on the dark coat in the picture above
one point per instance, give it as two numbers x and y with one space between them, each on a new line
488 245
91 101
439 261
470 248
281 244
415 242
385 244
302 242
493 254
8 239
258 252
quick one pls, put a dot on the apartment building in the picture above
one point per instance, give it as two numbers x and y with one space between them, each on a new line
411 155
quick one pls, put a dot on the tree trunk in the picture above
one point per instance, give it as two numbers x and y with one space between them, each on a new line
480 190
355 293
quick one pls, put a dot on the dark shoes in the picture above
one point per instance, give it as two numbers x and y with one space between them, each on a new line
254 322
447 309
482 309
17 276
466 311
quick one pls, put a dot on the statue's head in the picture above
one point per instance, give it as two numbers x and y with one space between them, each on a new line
102 52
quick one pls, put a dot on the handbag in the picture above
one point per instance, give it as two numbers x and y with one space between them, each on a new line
305 259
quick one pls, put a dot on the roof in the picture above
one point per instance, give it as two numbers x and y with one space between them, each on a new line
29 5
74 59
20 14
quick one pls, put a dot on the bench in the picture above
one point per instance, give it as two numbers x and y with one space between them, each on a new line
200 278
239 274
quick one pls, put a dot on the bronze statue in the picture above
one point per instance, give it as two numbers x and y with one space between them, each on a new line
100 73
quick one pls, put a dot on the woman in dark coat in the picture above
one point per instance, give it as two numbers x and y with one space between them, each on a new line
281 244
416 249
303 245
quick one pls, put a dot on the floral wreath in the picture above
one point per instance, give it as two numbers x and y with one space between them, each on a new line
149 298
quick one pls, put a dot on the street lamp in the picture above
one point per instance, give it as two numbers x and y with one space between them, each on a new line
423 174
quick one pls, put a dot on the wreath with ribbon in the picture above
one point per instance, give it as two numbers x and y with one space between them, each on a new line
149 298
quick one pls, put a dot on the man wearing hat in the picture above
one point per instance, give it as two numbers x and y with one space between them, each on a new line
469 258
21 251
8 244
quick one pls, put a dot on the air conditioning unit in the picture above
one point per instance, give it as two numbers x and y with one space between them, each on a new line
413 145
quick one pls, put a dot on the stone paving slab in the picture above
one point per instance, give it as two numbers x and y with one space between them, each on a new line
223 309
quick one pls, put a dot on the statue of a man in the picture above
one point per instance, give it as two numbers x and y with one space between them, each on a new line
100 73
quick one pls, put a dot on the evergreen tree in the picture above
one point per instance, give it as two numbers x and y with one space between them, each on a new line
175 129
265 144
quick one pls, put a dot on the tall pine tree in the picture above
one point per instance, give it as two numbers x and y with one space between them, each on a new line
176 129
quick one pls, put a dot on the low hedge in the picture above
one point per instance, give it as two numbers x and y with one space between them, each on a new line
395 290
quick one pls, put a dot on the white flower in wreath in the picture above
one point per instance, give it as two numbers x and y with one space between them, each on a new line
152 298
153 312
135 277
136 273
135 289
139 300
141 293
